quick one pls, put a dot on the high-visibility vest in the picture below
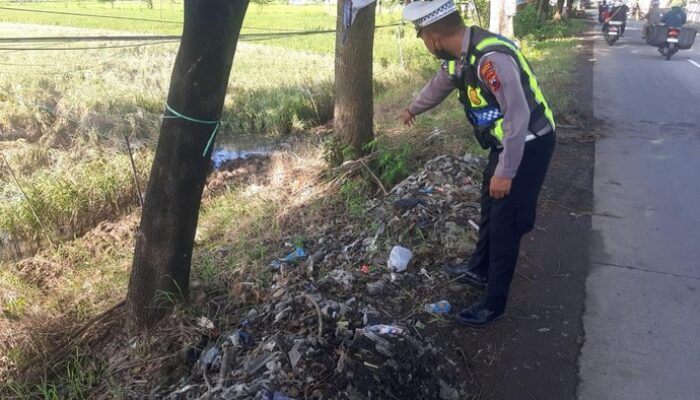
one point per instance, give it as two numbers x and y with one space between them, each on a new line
480 105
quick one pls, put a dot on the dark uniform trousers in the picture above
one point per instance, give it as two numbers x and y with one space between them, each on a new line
505 221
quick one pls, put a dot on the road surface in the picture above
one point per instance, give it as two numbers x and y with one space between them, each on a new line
642 307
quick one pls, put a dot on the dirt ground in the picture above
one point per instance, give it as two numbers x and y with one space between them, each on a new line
530 354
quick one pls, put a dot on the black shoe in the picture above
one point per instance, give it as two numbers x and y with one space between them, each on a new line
478 315
466 275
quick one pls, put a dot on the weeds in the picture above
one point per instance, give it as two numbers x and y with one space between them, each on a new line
528 25
79 376
78 118
391 164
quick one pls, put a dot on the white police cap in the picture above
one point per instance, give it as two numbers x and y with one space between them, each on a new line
424 13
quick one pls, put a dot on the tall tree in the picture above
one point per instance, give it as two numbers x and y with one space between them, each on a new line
559 11
353 114
542 10
198 86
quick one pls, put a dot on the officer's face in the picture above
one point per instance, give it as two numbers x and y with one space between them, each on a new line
429 41
433 42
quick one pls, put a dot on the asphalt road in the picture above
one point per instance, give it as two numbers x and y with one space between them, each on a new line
642 307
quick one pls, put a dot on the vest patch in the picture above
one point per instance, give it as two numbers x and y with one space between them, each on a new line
488 74
474 97
485 116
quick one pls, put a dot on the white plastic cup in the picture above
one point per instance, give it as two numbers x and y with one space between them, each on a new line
399 259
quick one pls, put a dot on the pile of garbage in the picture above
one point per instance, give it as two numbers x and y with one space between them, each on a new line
350 310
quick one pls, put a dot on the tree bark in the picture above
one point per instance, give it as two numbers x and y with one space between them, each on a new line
353 114
559 10
542 10
198 85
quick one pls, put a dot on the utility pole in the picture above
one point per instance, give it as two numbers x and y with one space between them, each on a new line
501 17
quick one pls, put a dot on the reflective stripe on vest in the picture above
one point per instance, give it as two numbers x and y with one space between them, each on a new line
534 86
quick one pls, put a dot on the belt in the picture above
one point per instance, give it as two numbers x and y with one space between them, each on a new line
542 132
532 136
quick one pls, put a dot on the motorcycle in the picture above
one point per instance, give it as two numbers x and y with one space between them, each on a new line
668 40
670 46
613 32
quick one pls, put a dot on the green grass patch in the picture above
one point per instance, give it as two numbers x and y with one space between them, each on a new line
528 25
267 24
79 190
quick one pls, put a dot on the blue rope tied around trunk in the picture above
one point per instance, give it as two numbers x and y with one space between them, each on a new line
196 121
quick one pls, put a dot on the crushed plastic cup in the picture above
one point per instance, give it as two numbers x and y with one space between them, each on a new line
399 259
441 307
384 329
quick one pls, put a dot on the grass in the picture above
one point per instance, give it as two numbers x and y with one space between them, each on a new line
90 105
261 19
72 112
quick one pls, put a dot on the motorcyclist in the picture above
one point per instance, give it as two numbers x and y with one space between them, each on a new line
676 16
653 17
602 11
618 13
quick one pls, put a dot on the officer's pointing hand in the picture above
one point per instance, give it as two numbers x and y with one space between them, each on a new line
499 187
407 118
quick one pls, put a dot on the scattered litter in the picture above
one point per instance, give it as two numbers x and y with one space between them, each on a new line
406 204
399 259
270 395
441 307
370 315
206 323
474 225
295 354
375 288
447 392
384 329
292 258
340 323
209 357
341 277
543 330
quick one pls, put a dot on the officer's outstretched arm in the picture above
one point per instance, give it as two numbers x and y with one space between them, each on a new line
433 93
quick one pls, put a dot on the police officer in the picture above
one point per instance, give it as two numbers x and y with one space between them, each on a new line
510 116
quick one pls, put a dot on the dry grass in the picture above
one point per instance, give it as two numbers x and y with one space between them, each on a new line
77 117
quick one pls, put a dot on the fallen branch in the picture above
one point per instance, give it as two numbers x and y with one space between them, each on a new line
376 179
318 311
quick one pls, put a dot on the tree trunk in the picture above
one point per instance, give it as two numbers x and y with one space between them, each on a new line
161 266
542 10
559 10
496 15
353 115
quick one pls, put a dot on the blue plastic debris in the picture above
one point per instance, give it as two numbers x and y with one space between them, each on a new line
441 307
292 258
296 255
428 190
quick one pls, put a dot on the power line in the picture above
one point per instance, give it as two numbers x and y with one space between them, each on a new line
246 37
92 15
85 38
14 49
